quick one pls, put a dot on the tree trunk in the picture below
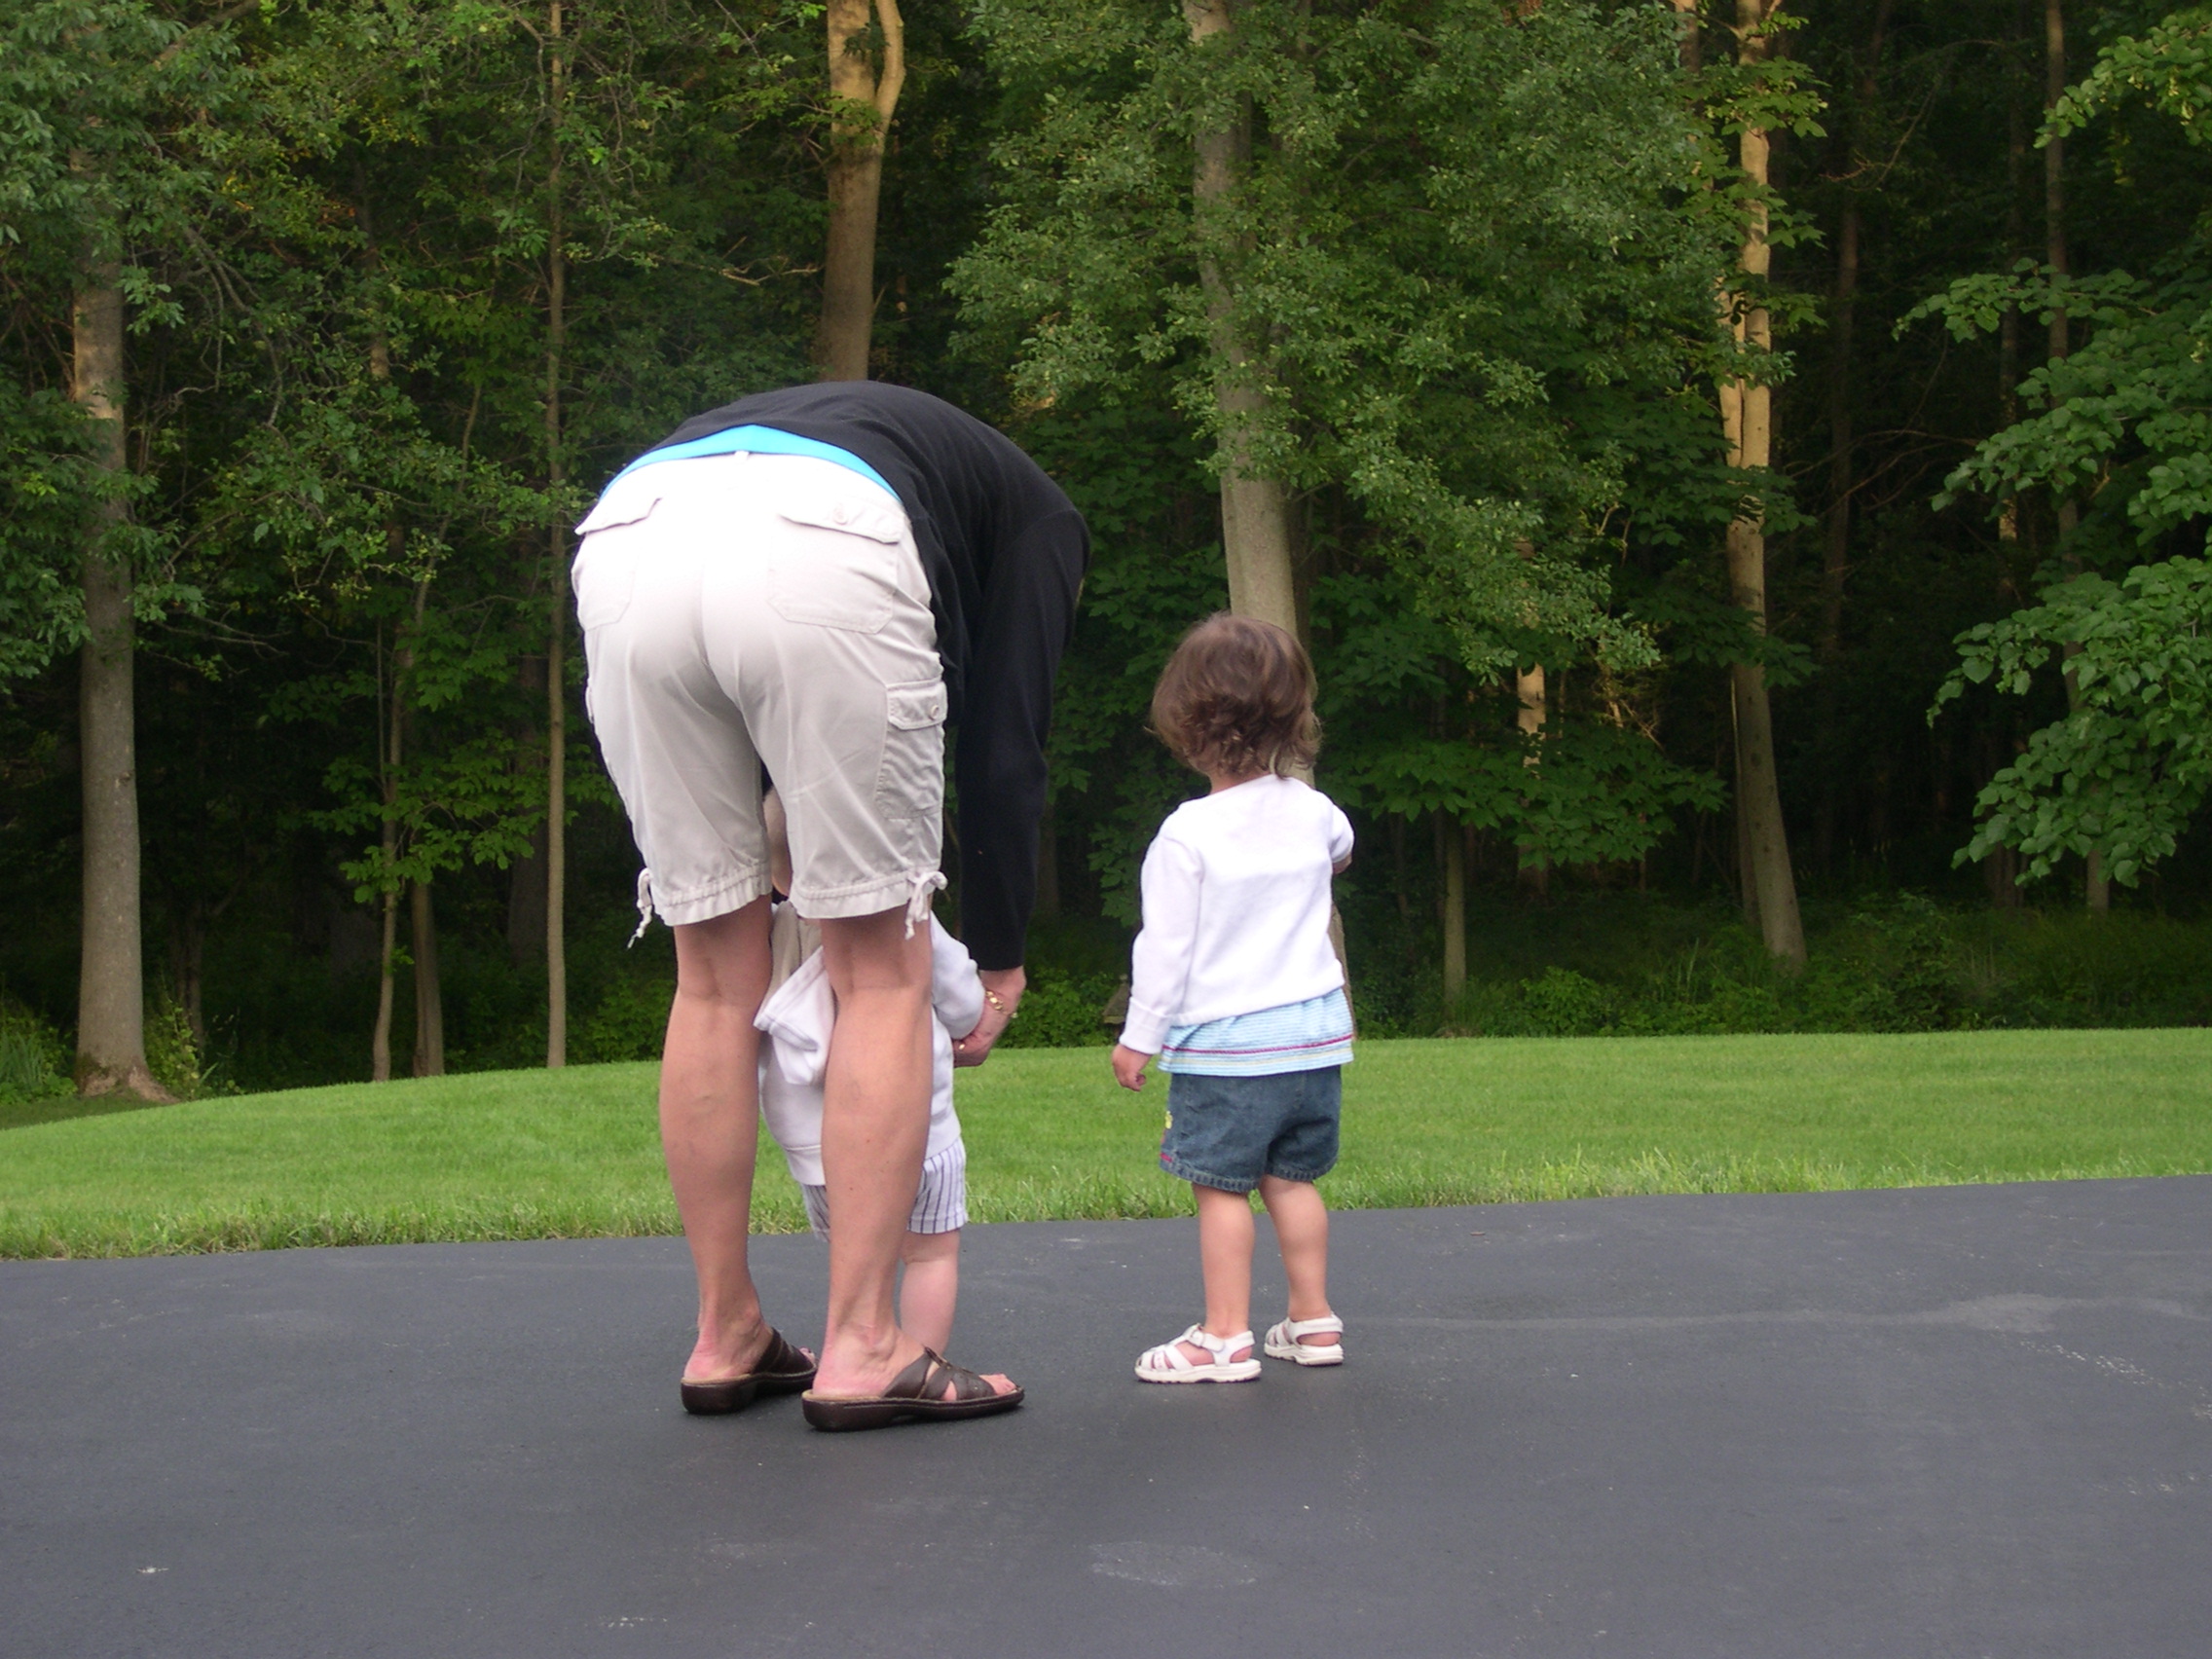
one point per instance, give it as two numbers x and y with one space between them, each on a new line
1740 827
557 610
863 105
188 964
429 999
526 896
1255 510
1529 688
390 739
1454 916
111 986
2096 888
1748 412
379 1041
1835 564
1692 37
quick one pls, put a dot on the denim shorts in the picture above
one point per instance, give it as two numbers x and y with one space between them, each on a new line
1228 1131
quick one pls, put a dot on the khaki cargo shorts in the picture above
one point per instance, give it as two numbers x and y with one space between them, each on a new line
744 610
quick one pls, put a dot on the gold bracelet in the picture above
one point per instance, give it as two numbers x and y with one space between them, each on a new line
992 997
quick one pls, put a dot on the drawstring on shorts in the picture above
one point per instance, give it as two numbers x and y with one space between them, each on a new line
926 882
644 905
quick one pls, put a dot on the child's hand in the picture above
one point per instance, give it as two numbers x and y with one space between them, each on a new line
1129 1066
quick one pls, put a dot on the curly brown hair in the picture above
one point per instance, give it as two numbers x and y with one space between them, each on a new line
1237 698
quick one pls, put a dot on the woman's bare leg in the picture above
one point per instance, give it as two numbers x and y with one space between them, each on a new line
710 1112
875 1124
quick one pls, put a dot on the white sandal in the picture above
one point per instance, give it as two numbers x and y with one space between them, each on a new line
1168 1363
1283 1343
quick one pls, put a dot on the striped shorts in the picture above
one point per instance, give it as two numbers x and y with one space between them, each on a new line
941 1201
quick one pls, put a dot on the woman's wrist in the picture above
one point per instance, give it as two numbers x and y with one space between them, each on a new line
1003 988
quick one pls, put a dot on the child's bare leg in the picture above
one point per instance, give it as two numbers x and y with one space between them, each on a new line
1301 1226
931 1288
1225 1256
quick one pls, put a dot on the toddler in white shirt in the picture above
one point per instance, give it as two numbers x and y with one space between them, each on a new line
1236 985
794 1021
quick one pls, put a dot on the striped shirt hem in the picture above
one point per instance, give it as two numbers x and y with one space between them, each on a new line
1305 1035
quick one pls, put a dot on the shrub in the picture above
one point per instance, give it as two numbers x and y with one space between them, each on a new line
630 1022
1063 1010
34 1061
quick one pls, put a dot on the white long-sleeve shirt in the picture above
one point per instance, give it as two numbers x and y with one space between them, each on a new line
1235 892
796 1020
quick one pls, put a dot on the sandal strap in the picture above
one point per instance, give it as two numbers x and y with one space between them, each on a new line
1169 1355
1296 1328
1221 1347
781 1358
926 1378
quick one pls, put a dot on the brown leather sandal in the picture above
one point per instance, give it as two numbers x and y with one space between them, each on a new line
915 1393
781 1369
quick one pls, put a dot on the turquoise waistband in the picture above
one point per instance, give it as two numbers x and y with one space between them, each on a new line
759 440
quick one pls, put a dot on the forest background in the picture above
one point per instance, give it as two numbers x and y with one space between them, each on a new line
1742 471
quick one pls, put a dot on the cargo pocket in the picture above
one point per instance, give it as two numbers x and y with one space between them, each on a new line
842 569
605 569
912 780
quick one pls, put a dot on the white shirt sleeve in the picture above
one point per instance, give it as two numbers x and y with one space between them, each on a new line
1160 965
956 991
1340 834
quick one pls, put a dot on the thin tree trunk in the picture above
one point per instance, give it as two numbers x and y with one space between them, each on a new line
556 617
111 986
429 998
1398 874
1529 691
1740 827
1255 510
2096 888
188 963
526 893
2015 239
1748 412
1835 564
864 105
390 730
1455 846
379 1041
1692 34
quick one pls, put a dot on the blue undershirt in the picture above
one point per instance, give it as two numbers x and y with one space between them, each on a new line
759 440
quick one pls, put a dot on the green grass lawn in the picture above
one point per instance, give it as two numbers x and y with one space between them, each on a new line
530 1155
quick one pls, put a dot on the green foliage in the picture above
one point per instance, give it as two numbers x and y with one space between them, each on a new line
173 1052
629 1022
34 1061
2125 420
1899 965
1063 1010
1446 343
2168 67
2130 767
2124 423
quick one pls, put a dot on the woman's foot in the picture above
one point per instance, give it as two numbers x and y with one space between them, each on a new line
862 1379
723 1360
1197 1355
778 1368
